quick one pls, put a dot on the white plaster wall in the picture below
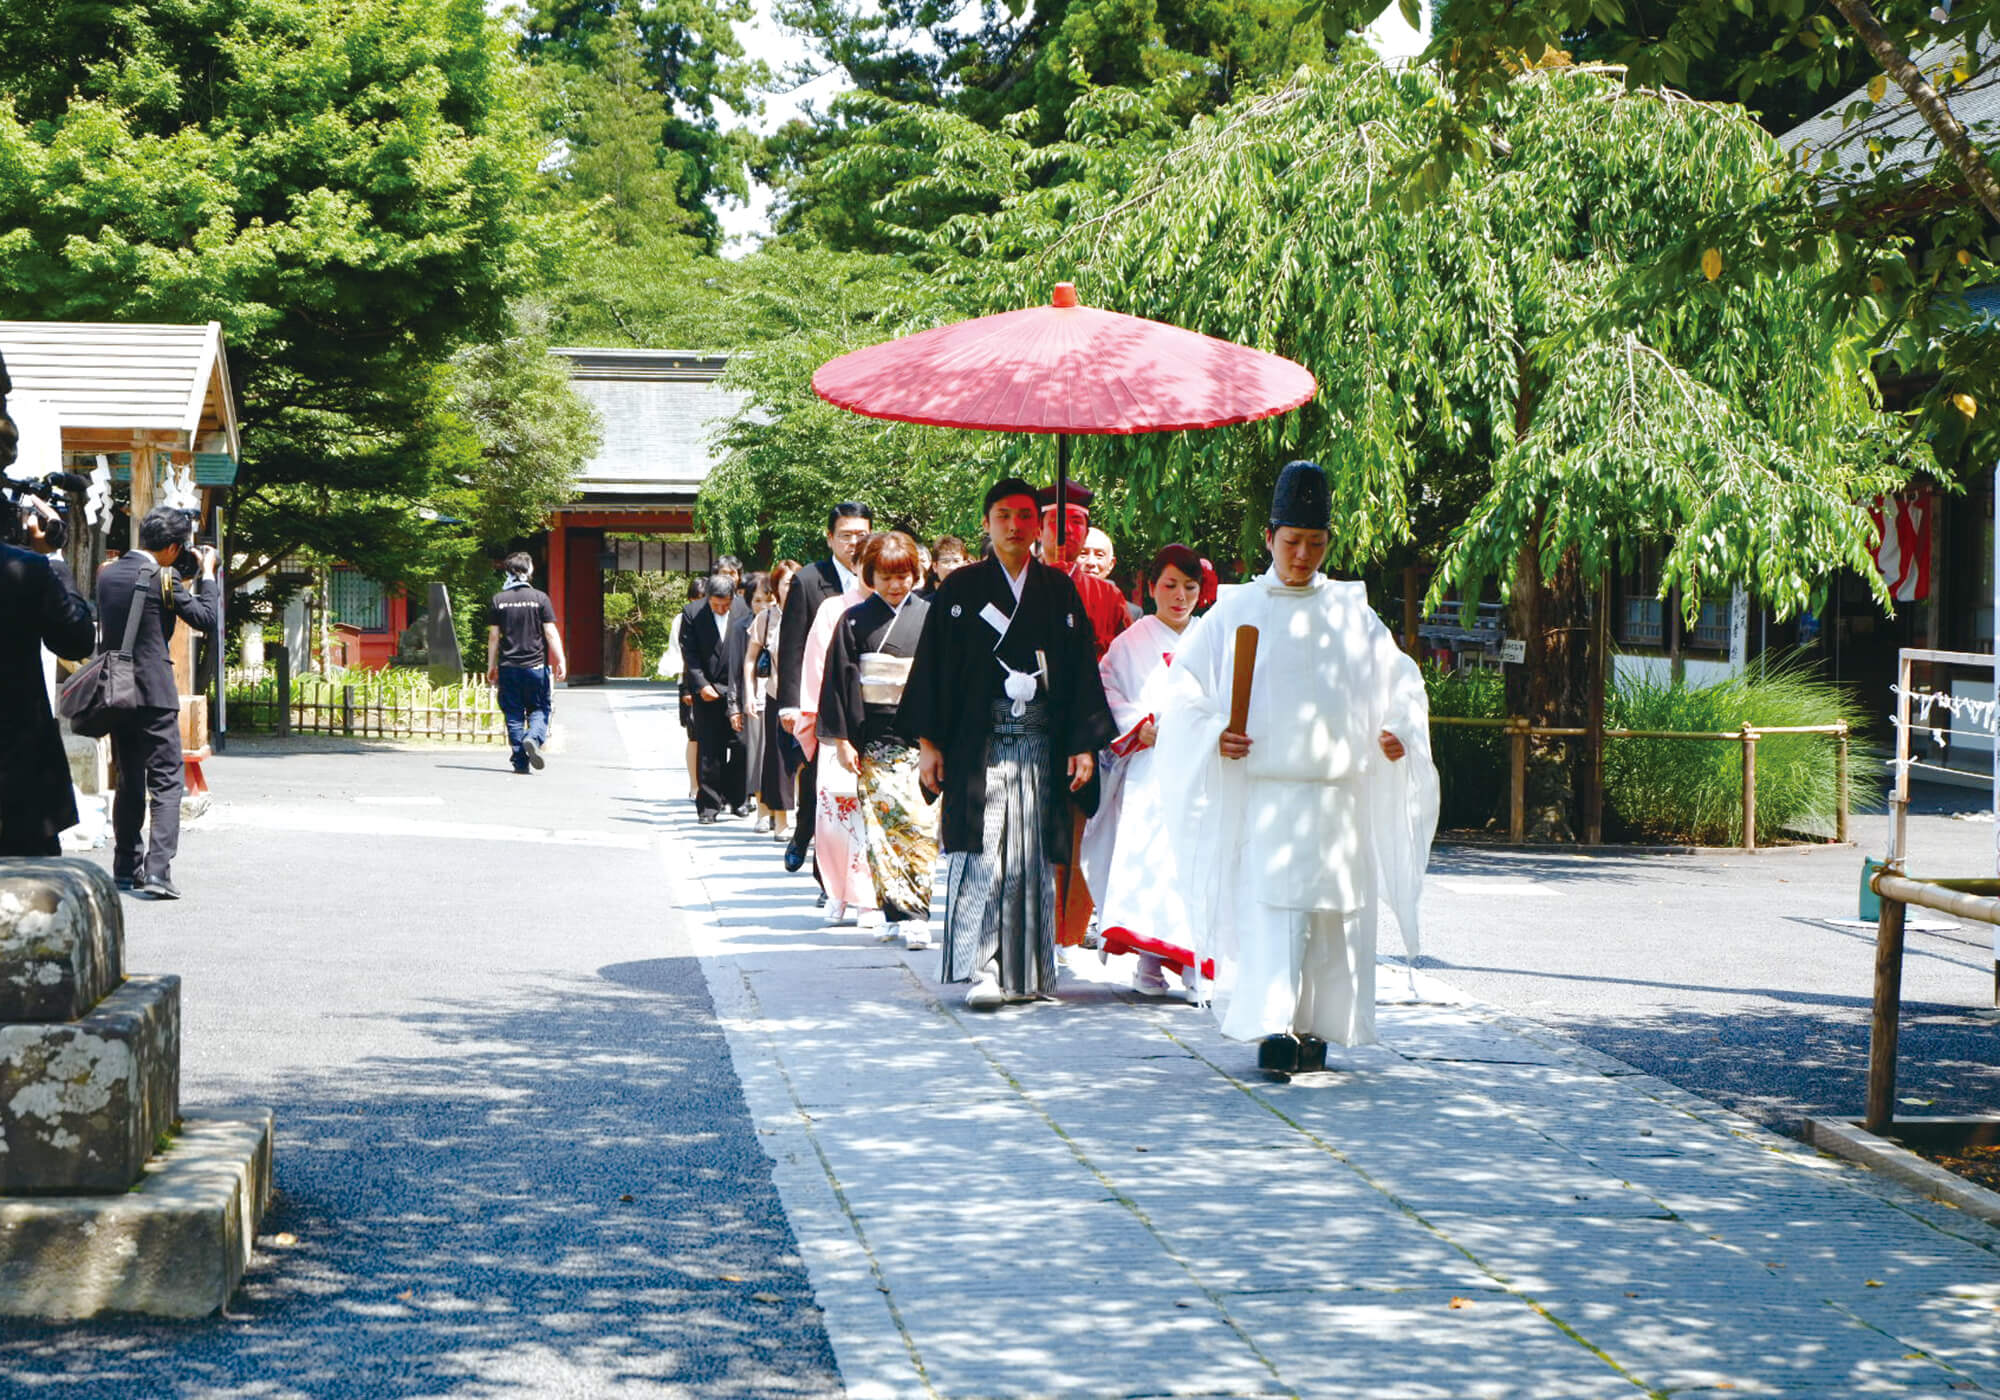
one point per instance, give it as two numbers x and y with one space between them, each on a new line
1660 669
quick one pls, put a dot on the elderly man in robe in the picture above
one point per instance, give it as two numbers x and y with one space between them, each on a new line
1106 606
1295 827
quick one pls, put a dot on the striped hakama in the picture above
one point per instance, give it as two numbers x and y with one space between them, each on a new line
1000 901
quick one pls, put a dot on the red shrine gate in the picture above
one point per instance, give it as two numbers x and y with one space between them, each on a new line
660 411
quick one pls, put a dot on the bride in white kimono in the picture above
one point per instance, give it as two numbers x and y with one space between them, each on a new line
1125 848
1291 833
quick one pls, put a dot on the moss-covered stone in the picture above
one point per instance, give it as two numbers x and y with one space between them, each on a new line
62 939
81 1102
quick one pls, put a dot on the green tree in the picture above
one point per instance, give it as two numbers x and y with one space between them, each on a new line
345 188
1908 211
1019 72
1472 386
693 64
530 436
788 455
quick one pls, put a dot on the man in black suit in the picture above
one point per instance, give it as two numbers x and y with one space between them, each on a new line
39 607
705 665
736 637
847 525
148 745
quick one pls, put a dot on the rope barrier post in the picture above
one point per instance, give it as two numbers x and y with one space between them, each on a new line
1749 788
1840 784
1883 1020
1517 780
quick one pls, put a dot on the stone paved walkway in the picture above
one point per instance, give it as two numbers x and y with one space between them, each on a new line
1099 1197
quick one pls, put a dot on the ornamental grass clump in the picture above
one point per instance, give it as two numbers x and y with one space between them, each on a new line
1691 790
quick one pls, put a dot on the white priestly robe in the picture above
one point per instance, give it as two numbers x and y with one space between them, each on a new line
1126 856
1282 857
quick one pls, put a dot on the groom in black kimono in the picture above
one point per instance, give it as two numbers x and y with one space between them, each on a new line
1006 705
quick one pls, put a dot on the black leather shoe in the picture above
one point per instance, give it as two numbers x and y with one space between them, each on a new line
795 858
1279 1054
706 819
125 882
159 889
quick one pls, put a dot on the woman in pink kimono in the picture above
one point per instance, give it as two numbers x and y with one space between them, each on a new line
1125 846
838 839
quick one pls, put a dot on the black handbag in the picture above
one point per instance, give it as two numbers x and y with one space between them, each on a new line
105 689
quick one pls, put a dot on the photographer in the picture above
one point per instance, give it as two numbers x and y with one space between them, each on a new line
39 607
148 745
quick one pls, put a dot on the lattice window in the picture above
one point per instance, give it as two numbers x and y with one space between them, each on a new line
357 602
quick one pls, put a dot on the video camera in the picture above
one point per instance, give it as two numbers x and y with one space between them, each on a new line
53 488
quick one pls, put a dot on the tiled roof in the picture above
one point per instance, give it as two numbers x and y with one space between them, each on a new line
661 410
108 376
1975 102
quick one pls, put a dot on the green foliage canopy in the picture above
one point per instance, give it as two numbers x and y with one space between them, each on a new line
345 188
1476 346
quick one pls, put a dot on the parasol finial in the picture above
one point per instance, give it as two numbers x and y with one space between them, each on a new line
1064 294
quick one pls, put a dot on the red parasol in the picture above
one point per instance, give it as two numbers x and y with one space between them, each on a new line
1064 368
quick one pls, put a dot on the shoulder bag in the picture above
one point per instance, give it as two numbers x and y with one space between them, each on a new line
105 689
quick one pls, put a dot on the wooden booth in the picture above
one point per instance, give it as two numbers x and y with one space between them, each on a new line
153 405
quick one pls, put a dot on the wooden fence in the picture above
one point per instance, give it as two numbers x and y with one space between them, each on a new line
1519 731
469 713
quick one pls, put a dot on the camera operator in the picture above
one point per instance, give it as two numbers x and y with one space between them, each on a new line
39 607
148 745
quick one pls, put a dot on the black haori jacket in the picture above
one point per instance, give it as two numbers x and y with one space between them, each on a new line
956 680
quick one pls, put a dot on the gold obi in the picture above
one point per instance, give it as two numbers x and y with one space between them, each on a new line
883 677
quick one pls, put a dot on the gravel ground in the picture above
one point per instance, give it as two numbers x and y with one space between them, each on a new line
1729 974
512 1155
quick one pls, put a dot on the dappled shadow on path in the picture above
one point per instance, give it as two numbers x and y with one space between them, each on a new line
1807 1057
565 1197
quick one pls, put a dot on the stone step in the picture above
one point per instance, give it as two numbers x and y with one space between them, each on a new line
82 1102
175 1245
62 939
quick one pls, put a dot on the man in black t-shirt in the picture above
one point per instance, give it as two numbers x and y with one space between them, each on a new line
524 656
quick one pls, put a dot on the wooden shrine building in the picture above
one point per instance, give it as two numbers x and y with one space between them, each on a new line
661 410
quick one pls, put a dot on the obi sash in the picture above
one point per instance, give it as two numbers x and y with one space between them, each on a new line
883 677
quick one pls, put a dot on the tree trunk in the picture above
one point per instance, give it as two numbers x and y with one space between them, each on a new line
1885 51
1551 614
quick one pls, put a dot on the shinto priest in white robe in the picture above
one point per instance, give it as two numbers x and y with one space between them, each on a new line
1283 857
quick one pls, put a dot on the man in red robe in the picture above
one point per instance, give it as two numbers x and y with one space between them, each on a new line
1105 607
1102 602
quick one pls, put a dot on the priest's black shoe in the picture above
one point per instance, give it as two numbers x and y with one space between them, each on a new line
1279 1054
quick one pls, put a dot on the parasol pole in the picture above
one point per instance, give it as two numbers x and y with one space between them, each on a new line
1062 491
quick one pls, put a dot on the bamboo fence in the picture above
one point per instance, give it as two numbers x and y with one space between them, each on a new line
1519 732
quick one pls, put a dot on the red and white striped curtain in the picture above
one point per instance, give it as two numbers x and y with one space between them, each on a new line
1903 548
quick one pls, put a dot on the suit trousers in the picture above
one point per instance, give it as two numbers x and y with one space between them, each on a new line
151 778
711 754
804 819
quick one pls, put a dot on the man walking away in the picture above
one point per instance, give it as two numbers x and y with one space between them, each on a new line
705 662
147 745
524 657
847 525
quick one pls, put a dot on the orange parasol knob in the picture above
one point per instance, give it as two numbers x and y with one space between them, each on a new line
1065 294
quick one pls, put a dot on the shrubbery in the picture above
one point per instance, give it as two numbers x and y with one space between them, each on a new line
1667 790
